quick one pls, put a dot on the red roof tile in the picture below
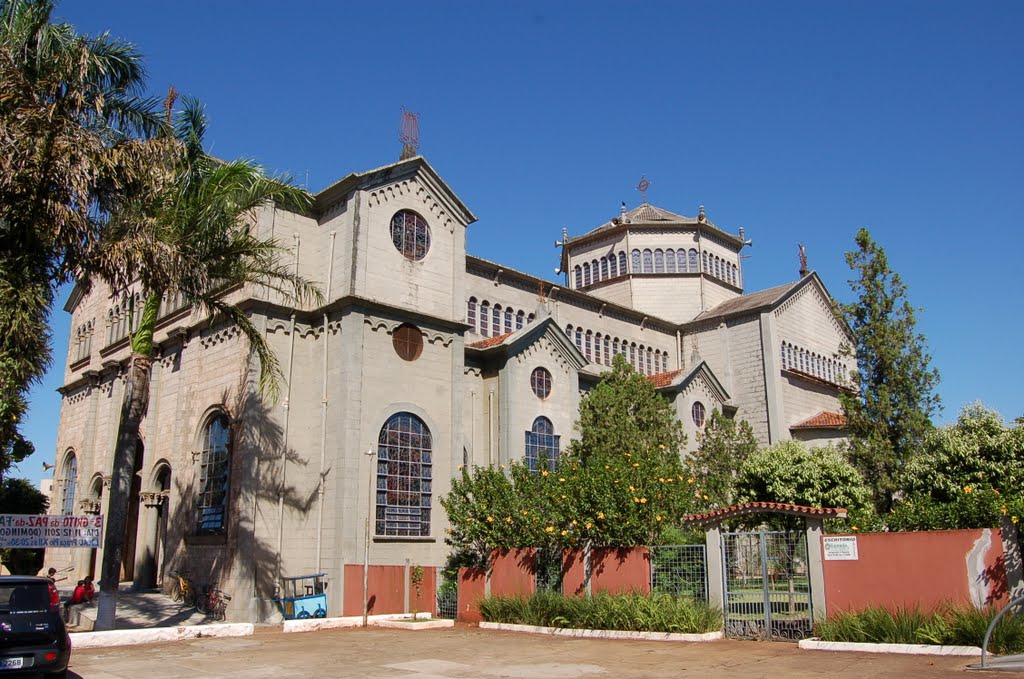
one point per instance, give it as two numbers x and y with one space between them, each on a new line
746 508
663 379
826 419
489 341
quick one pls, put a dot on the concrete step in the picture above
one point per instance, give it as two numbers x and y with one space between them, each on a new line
138 610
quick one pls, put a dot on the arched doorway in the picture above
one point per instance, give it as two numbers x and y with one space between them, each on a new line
131 526
154 526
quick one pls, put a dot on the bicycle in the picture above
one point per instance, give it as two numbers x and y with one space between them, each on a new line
183 590
214 602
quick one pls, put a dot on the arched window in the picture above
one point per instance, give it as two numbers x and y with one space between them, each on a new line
604 268
607 350
579 338
636 261
622 263
586 275
632 355
410 234
496 320
404 477
568 332
659 261
597 348
650 361
704 262
541 444
698 413
735 275
68 479
643 359
613 269
508 319
789 356
214 476
589 340
485 317
692 256
520 317
783 359
615 345
596 268
579 276
681 260
471 314
670 261
648 261
529 318
718 267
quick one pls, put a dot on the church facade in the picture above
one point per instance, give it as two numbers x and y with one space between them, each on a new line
421 358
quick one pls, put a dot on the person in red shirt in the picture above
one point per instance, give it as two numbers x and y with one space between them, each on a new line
78 596
90 591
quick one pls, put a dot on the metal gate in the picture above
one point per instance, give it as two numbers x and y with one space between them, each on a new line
767 585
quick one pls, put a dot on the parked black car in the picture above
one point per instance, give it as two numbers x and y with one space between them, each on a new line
33 637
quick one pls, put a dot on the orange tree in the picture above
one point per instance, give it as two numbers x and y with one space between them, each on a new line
621 483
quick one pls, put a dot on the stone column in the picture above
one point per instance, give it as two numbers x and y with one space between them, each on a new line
815 566
147 548
715 568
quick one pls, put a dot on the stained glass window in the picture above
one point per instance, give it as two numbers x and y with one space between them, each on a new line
410 234
541 443
404 477
214 472
540 382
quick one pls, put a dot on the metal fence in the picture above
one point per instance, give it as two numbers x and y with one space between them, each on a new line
548 573
680 570
447 596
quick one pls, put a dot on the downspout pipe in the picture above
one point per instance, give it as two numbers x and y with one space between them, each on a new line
287 418
323 415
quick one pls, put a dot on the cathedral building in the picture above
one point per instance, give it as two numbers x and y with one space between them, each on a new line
421 358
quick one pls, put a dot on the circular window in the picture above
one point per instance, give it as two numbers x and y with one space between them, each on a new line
697 411
540 381
410 234
408 342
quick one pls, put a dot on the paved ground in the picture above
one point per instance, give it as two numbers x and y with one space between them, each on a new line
143 610
468 653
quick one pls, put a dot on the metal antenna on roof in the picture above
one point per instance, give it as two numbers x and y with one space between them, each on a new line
409 134
642 188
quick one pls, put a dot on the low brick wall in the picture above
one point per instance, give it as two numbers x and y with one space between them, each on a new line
614 570
924 569
472 585
387 590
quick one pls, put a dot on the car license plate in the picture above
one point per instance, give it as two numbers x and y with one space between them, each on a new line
11 663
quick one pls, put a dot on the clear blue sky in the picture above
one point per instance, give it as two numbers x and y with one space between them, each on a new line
799 121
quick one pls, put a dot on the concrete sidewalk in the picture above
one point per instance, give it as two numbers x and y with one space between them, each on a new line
139 610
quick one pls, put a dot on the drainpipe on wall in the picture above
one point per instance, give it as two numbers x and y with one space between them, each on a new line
287 417
679 350
323 415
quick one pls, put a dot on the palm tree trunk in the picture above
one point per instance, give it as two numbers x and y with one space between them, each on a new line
133 409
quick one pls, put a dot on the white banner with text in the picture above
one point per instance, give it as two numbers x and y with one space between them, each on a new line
32 531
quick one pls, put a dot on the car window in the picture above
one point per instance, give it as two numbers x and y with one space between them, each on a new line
24 598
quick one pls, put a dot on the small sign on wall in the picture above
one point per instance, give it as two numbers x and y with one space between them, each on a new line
840 548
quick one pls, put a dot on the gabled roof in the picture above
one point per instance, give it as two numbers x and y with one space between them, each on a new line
387 173
755 301
679 380
513 342
826 419
747 508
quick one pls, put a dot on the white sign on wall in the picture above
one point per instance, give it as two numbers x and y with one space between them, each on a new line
59 530
840 548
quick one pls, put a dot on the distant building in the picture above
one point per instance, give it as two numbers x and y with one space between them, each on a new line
428 357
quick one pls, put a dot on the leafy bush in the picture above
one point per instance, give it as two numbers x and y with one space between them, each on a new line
951 625
626 612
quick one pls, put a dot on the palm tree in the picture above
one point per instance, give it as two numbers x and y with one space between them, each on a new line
188 235
70 118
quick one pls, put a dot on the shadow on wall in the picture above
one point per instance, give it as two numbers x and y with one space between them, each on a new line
243 559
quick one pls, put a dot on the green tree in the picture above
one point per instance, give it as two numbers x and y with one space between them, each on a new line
69 116
724 445
789 472
189 233
19 496
890 411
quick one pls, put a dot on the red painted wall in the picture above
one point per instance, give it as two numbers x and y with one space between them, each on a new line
924 569
616 570
387 590
512 572
471 590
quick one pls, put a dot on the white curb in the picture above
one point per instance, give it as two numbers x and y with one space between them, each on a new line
130 637
603 633
410 624
314 624
814 644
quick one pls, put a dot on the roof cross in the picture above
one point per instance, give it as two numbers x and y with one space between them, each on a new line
642 188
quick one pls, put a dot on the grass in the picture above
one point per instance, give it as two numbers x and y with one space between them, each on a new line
626 612
950 625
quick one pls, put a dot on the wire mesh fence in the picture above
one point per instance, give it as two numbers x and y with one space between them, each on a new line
548 570
680 570
447 596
